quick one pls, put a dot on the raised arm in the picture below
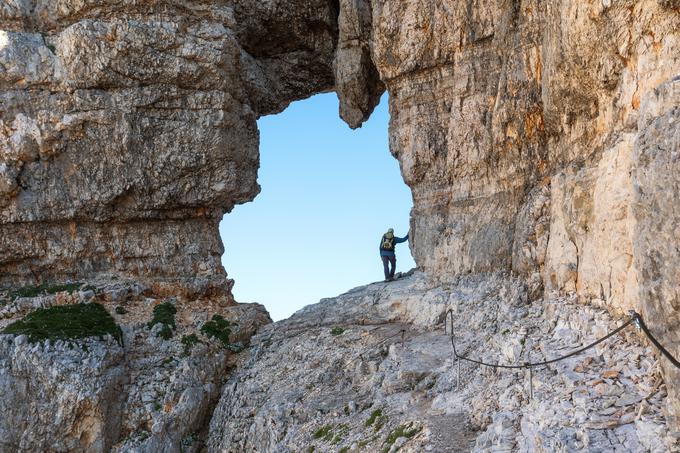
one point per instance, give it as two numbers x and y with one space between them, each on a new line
400 240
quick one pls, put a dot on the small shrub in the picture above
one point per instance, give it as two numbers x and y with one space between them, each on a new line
165 332
67 322
335 331
164 314
220 329
189 341
120 310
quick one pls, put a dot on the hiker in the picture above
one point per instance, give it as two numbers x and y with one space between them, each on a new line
387 243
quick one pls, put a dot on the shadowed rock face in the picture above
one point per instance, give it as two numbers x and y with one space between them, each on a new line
128 128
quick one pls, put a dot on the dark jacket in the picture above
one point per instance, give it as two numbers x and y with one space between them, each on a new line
384 252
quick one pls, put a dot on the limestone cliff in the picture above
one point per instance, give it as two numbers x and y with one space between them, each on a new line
539 140
538 137
128 128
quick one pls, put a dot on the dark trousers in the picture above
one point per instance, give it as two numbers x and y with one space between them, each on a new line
387 260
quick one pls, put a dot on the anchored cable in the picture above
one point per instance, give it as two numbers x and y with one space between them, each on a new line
637 319
634 319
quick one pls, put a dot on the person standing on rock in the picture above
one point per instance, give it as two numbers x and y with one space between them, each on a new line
387 244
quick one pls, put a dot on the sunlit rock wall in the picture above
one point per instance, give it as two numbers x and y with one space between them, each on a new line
128 128
518 127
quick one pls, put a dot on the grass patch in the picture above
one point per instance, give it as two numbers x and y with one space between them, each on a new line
189 341
335 331
67 322
324 433
380 423
342 430
343 450
374 416
406 430
164 314
43 290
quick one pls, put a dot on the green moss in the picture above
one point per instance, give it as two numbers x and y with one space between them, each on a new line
406 430
42 290
66 322
374 416
189 341
325 433
335 331
164 314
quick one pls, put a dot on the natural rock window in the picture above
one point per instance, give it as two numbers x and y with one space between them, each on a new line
327 194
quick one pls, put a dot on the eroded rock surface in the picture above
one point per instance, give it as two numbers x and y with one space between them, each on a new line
538 137
372 370
148 394
128 128
60 398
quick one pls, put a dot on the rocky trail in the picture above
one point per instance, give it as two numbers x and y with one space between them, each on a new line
337 376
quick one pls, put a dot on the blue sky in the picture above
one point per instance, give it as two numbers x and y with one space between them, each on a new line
328 195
